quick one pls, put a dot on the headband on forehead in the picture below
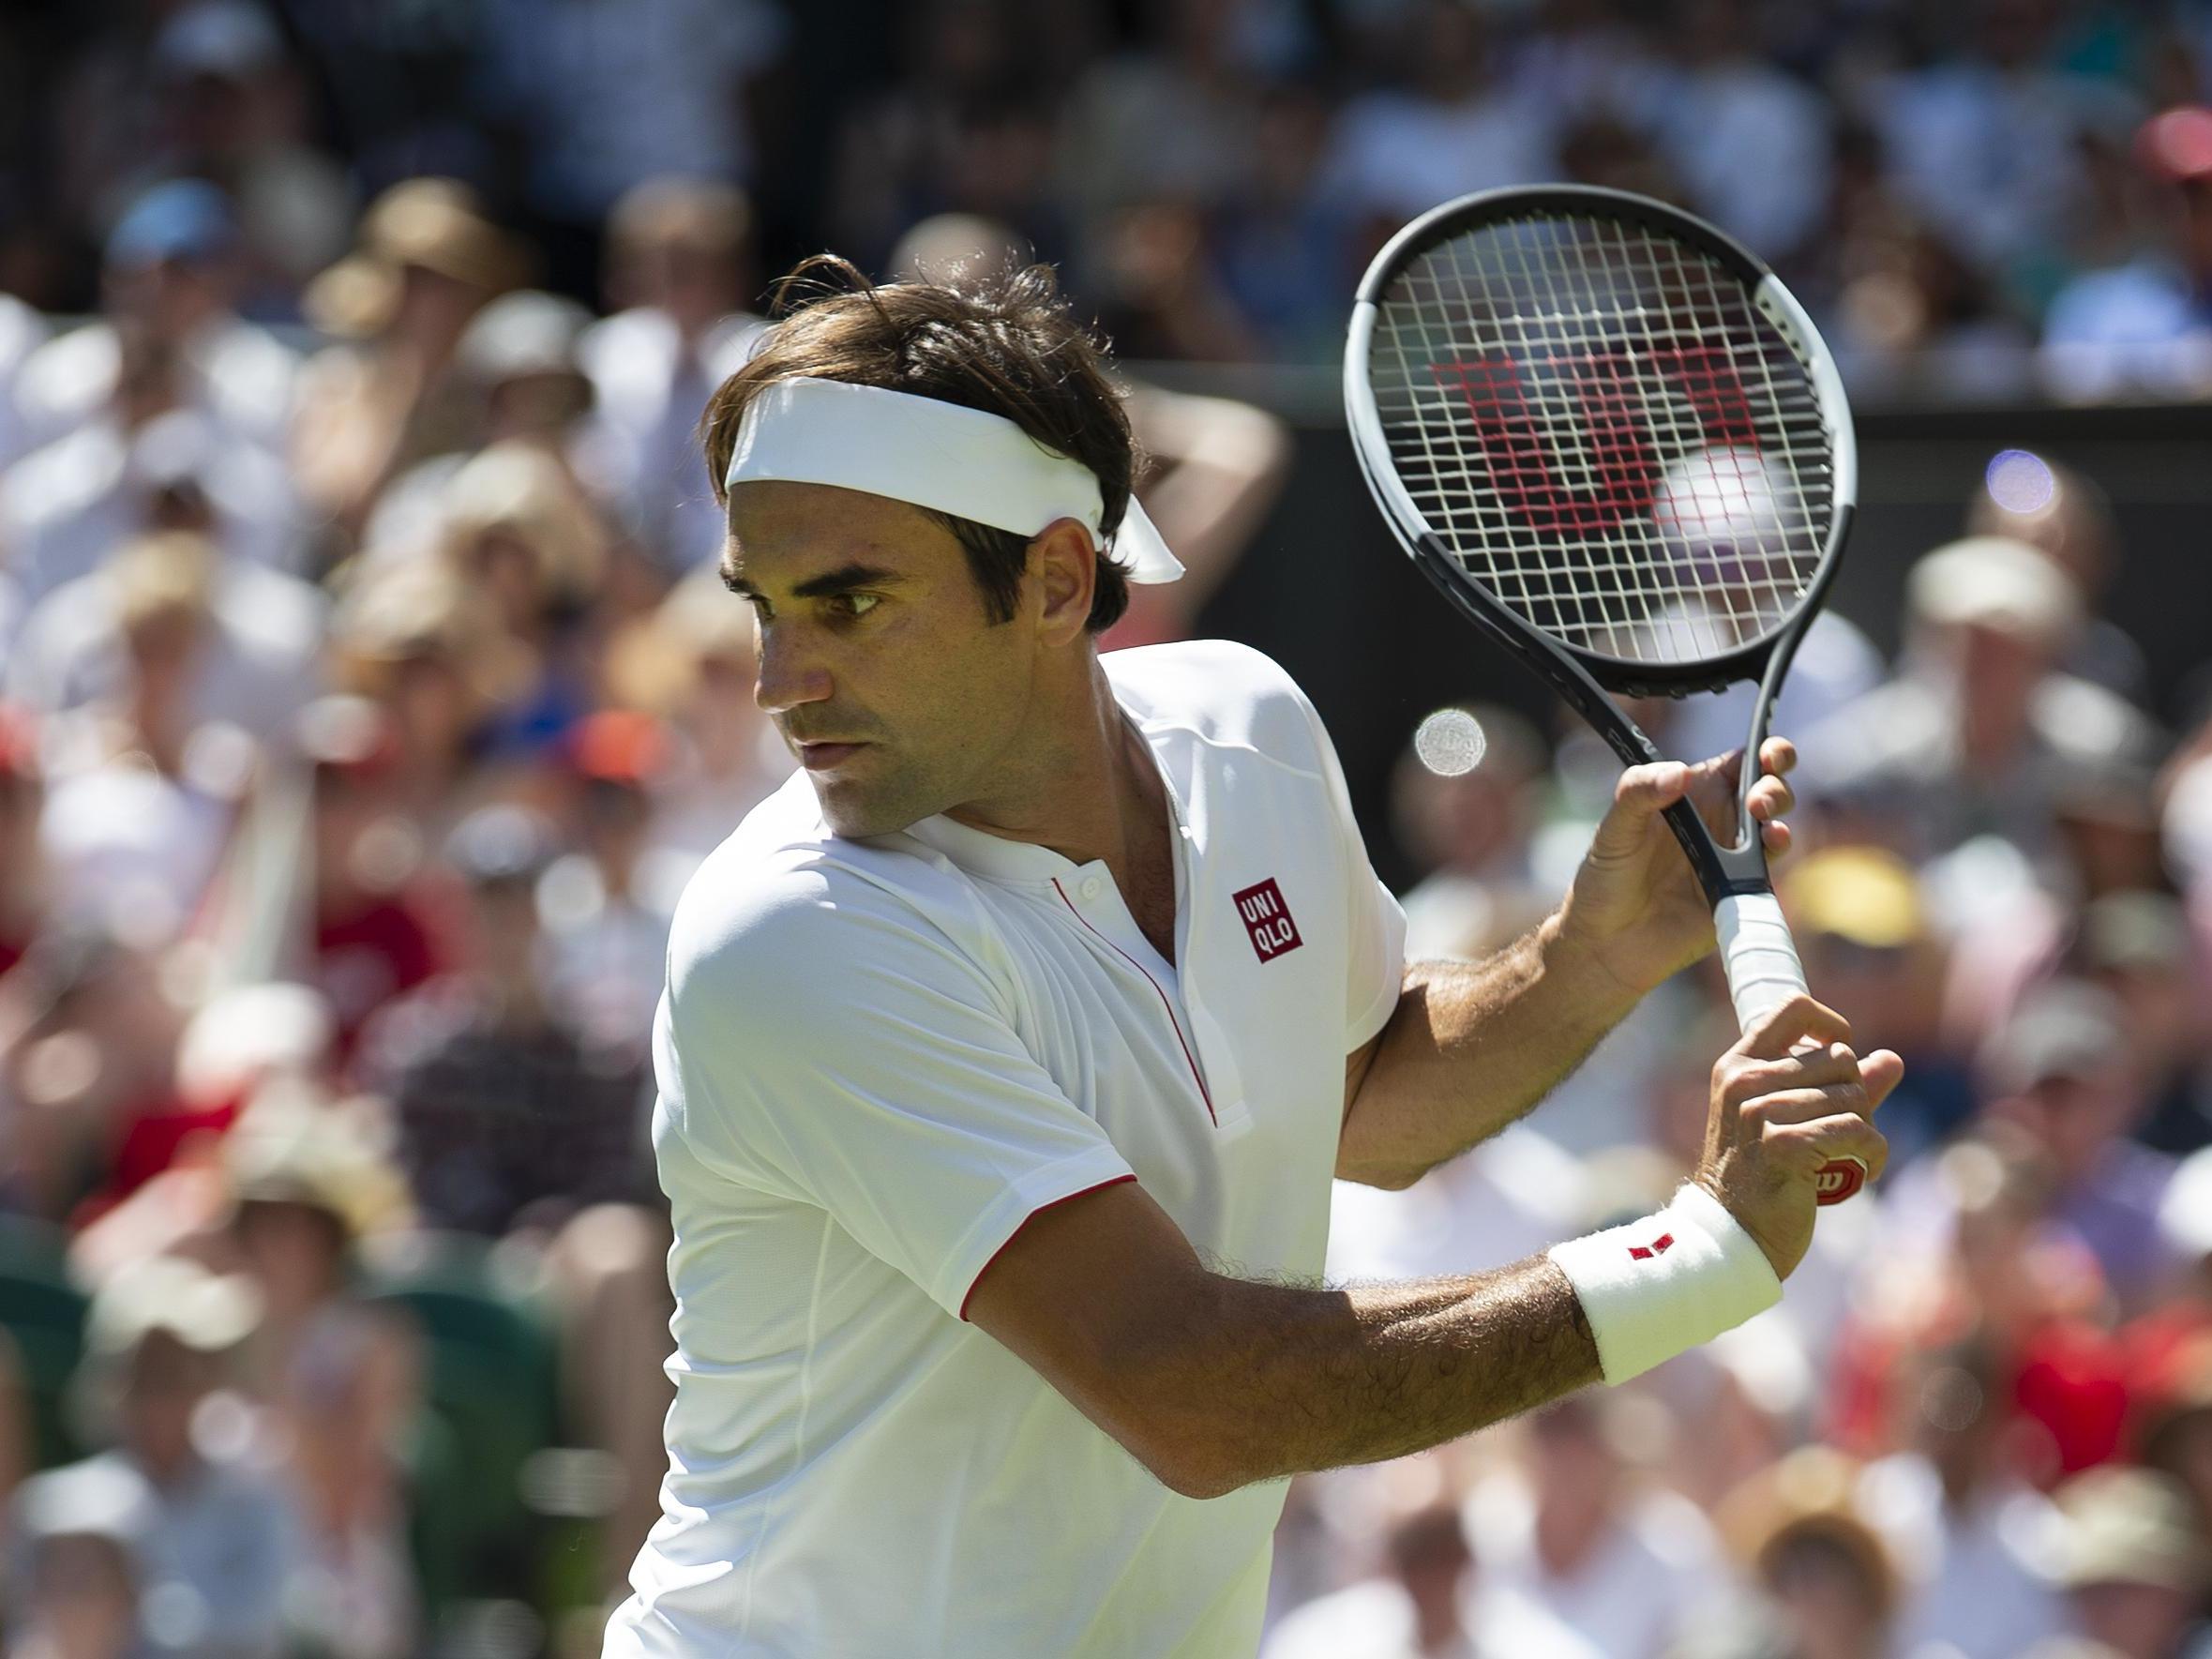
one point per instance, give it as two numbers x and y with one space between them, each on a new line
932 454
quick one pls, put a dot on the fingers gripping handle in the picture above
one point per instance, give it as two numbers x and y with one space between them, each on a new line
1764 973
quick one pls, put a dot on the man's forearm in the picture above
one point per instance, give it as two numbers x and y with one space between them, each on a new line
1470 1048
1277 1380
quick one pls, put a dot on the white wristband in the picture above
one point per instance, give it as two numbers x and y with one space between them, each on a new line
1659 1286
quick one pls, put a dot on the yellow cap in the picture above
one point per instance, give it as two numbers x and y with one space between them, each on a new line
1861 894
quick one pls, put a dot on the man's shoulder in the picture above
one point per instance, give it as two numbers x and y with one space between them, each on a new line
1229 694
784 894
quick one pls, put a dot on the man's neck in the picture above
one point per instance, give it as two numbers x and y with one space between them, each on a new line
1092 792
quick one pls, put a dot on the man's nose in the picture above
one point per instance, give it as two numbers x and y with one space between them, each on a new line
788 674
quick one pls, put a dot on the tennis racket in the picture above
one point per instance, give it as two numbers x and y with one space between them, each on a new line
1615 441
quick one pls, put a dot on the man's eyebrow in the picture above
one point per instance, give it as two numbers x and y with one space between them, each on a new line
843 580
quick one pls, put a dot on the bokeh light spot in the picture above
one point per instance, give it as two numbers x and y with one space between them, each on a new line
1451 743
2020 481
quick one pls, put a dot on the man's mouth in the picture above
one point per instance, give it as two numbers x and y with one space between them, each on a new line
822 757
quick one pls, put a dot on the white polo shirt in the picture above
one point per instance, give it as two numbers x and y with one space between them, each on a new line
875 1059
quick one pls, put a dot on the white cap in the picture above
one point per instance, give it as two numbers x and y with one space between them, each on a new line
1994 581
201 1309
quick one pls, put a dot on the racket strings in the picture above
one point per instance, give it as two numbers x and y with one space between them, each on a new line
1607 434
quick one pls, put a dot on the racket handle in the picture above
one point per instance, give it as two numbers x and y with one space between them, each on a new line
1764 973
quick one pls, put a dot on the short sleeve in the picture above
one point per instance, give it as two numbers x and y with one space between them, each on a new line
1375 934
829 1043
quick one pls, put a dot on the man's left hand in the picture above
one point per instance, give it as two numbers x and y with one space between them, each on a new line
1635 908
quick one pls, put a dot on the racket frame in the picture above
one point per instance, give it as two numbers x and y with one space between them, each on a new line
1588 679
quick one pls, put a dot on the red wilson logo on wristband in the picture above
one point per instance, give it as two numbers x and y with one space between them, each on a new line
1658 1246
1267 918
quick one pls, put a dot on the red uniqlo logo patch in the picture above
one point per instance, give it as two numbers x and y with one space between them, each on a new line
1267 918
1659 1246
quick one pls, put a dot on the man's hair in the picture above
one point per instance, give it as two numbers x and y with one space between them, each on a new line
1004 342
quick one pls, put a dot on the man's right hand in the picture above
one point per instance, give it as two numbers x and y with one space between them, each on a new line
1787 1098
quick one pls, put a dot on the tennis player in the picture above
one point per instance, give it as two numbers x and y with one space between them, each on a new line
1008 1052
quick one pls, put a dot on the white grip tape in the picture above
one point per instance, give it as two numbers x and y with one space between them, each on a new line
1757 949
1669 1283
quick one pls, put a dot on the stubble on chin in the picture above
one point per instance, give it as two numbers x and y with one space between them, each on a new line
878 808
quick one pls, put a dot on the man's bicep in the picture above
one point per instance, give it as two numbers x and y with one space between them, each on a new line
1356 1066
1101 1295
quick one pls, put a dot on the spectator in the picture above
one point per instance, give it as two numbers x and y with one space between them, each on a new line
168 285
1913 317
507 1119
1750 143
680 265
1571 1540
597 100
1455 127
2136 945
426 260
898 151
217 1538
144 466
230 108
608 904
2146 324
305 1183
91 1048
248 647
2064 515
1983 143
2061 1070
1169 125
518 366
426 649
1413 1611
341 1402
369 909
1864 936
513 528
2135 1564
1962 1525
1980 705
1799 1527
1283 248
76 1592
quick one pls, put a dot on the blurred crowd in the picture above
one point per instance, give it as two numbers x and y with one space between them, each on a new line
1980 1427
1976 198
366 695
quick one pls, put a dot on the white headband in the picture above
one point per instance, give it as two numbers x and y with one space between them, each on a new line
933 454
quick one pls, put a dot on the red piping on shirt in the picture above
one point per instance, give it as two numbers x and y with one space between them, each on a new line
1113 1181
1156 985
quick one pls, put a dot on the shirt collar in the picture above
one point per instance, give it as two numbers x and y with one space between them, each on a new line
980 853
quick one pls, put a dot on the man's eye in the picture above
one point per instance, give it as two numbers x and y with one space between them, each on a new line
850 607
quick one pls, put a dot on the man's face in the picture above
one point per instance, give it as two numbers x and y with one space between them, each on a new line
877 661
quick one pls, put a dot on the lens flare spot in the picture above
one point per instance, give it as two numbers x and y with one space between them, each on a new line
2020 481
1451 743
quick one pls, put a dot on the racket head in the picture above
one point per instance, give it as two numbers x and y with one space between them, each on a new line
1609 426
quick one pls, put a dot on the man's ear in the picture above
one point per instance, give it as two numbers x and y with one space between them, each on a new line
1063 574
